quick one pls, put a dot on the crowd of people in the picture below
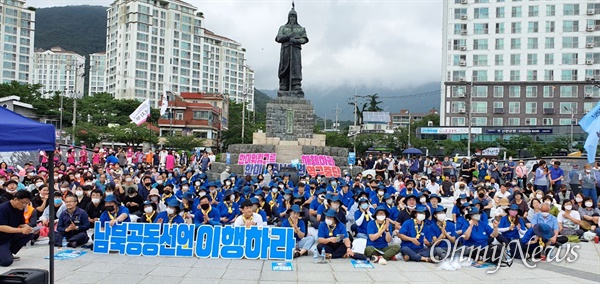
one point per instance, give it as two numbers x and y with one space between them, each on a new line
402 212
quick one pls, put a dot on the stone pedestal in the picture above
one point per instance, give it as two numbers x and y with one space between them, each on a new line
290 118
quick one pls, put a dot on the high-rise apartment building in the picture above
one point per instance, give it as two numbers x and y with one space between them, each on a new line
97 73
59 70
17 31
519 63
156 44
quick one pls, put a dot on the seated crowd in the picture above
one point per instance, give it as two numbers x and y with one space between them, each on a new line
361 217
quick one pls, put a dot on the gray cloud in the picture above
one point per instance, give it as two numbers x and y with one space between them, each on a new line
391 44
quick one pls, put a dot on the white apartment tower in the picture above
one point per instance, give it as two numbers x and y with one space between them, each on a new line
97 73
156 44
59 70
519 62
16 40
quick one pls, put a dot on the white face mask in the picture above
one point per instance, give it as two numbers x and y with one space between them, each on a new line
79 193
64 189
380 217
488 184
389 201
274 190
476 217
588 204
232 198
148 210
39 184
420 217
154 198
160 181
568 207
578 199
441 217
423 199
548 202
170 211
364 206
109 193
202 193
95 200
538 196
329 222
545 214
380 193
280 186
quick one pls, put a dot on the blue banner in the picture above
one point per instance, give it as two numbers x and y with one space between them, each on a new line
188 240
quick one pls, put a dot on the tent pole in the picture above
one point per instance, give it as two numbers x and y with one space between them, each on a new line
52 214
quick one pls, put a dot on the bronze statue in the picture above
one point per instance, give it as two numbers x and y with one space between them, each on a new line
291 36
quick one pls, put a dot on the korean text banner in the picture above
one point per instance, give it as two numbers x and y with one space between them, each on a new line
188 240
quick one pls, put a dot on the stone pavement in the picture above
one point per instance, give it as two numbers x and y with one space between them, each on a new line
113 268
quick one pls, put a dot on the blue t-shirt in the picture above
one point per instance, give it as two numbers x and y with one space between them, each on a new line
165 218
408 229
301 226
339 229
556 173
514 234
373 229
106 218
436 231
214 215
363 226
224 209
479 234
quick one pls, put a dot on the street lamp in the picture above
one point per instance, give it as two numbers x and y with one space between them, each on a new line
409 116
571 122
468 109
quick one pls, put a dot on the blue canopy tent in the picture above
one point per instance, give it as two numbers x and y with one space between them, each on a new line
23 134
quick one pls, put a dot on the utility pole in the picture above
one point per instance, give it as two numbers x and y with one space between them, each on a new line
409 116
337 113
243 113
355 118
470 101
325 124
61 115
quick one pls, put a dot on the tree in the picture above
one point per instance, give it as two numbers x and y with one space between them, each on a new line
335 139
90 134
132 135
451 147
233 134
187 143
373 104
28 93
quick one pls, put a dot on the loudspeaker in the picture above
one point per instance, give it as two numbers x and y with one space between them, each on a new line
25 276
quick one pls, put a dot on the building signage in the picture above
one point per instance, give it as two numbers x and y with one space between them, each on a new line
520 131
450 130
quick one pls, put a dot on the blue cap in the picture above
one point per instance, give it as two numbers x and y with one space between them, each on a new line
259 192
173 203
228 192
295 208
473 210
254 200
440 209
382 208
202 188
433 195
386 196
466 204
421 209
110 198
544 231
328 196
188 195
514 207
335 198
297 196
212 184
331 213
288 192
247 190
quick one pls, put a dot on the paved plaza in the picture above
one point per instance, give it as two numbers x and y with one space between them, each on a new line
113 268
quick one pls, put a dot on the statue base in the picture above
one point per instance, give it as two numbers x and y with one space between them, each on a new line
291 93
290 118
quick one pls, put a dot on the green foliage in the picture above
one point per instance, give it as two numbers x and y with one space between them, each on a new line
90 134
373 104
186 143
132 135
335 139
233 134
451 147
260 101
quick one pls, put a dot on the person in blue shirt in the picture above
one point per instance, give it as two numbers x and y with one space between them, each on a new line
333 237
171 215
304 242
556 176
324 206
377 198
413 233
476 235
214 195
286 203
409 188
456 210
536 236
228 209
434 203
247 193
443 233
274 198
113 212
207 214
333 186
258 210
511 224
73 224
168 193
544 217
380 231
461 223
314 207
390 206
346 196
362 217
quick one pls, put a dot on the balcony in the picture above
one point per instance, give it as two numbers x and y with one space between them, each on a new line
498 110
549 111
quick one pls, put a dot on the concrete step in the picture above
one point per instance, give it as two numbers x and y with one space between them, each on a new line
287 153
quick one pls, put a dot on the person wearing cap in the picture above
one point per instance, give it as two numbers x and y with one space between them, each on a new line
214 195
409 188
9 191
443 233
434 203
228 209
424 201
333 186
286 203
274 198
262 205
133 201
512 225
410 203
462 223
333 237
346 196
206 213
189 207
314 206
114 212
478 231
248 218
414 235
73 224
380 231
456 210
336 204
377 198
537 236
258 210
171 215
154 197
362 217
390 206
304 243
150 213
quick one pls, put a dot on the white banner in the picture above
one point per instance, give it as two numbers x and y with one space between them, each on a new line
164 104
141 113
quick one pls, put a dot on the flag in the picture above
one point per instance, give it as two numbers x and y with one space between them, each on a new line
165 103
141 113
591 124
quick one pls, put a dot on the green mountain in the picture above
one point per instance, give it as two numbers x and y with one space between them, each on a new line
260 101
81 29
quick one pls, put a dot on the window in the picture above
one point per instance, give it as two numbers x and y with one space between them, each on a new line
569 58
548 75
499 104
567 107
532 75
570 42
587 107
550 10
480 44
460 28
595 74
480 75
516 12
549 92
457 121
549 59
498 75
458 59
479 121
458 91
568 91
499 44
533 11
497 121
499 59
202 115
533 27
532 43
532 59
570 26
480 28
531 92
547 121
515 59
457 107
498 91
515 28
480 60
531 121
514 91
548 105
500 12
549 42
479 107
569 75
480 92
564 121
571 9
481 13
514 121
499 28
531 107
515 43
459 12
515 75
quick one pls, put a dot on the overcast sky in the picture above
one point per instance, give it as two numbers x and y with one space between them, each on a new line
389 43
